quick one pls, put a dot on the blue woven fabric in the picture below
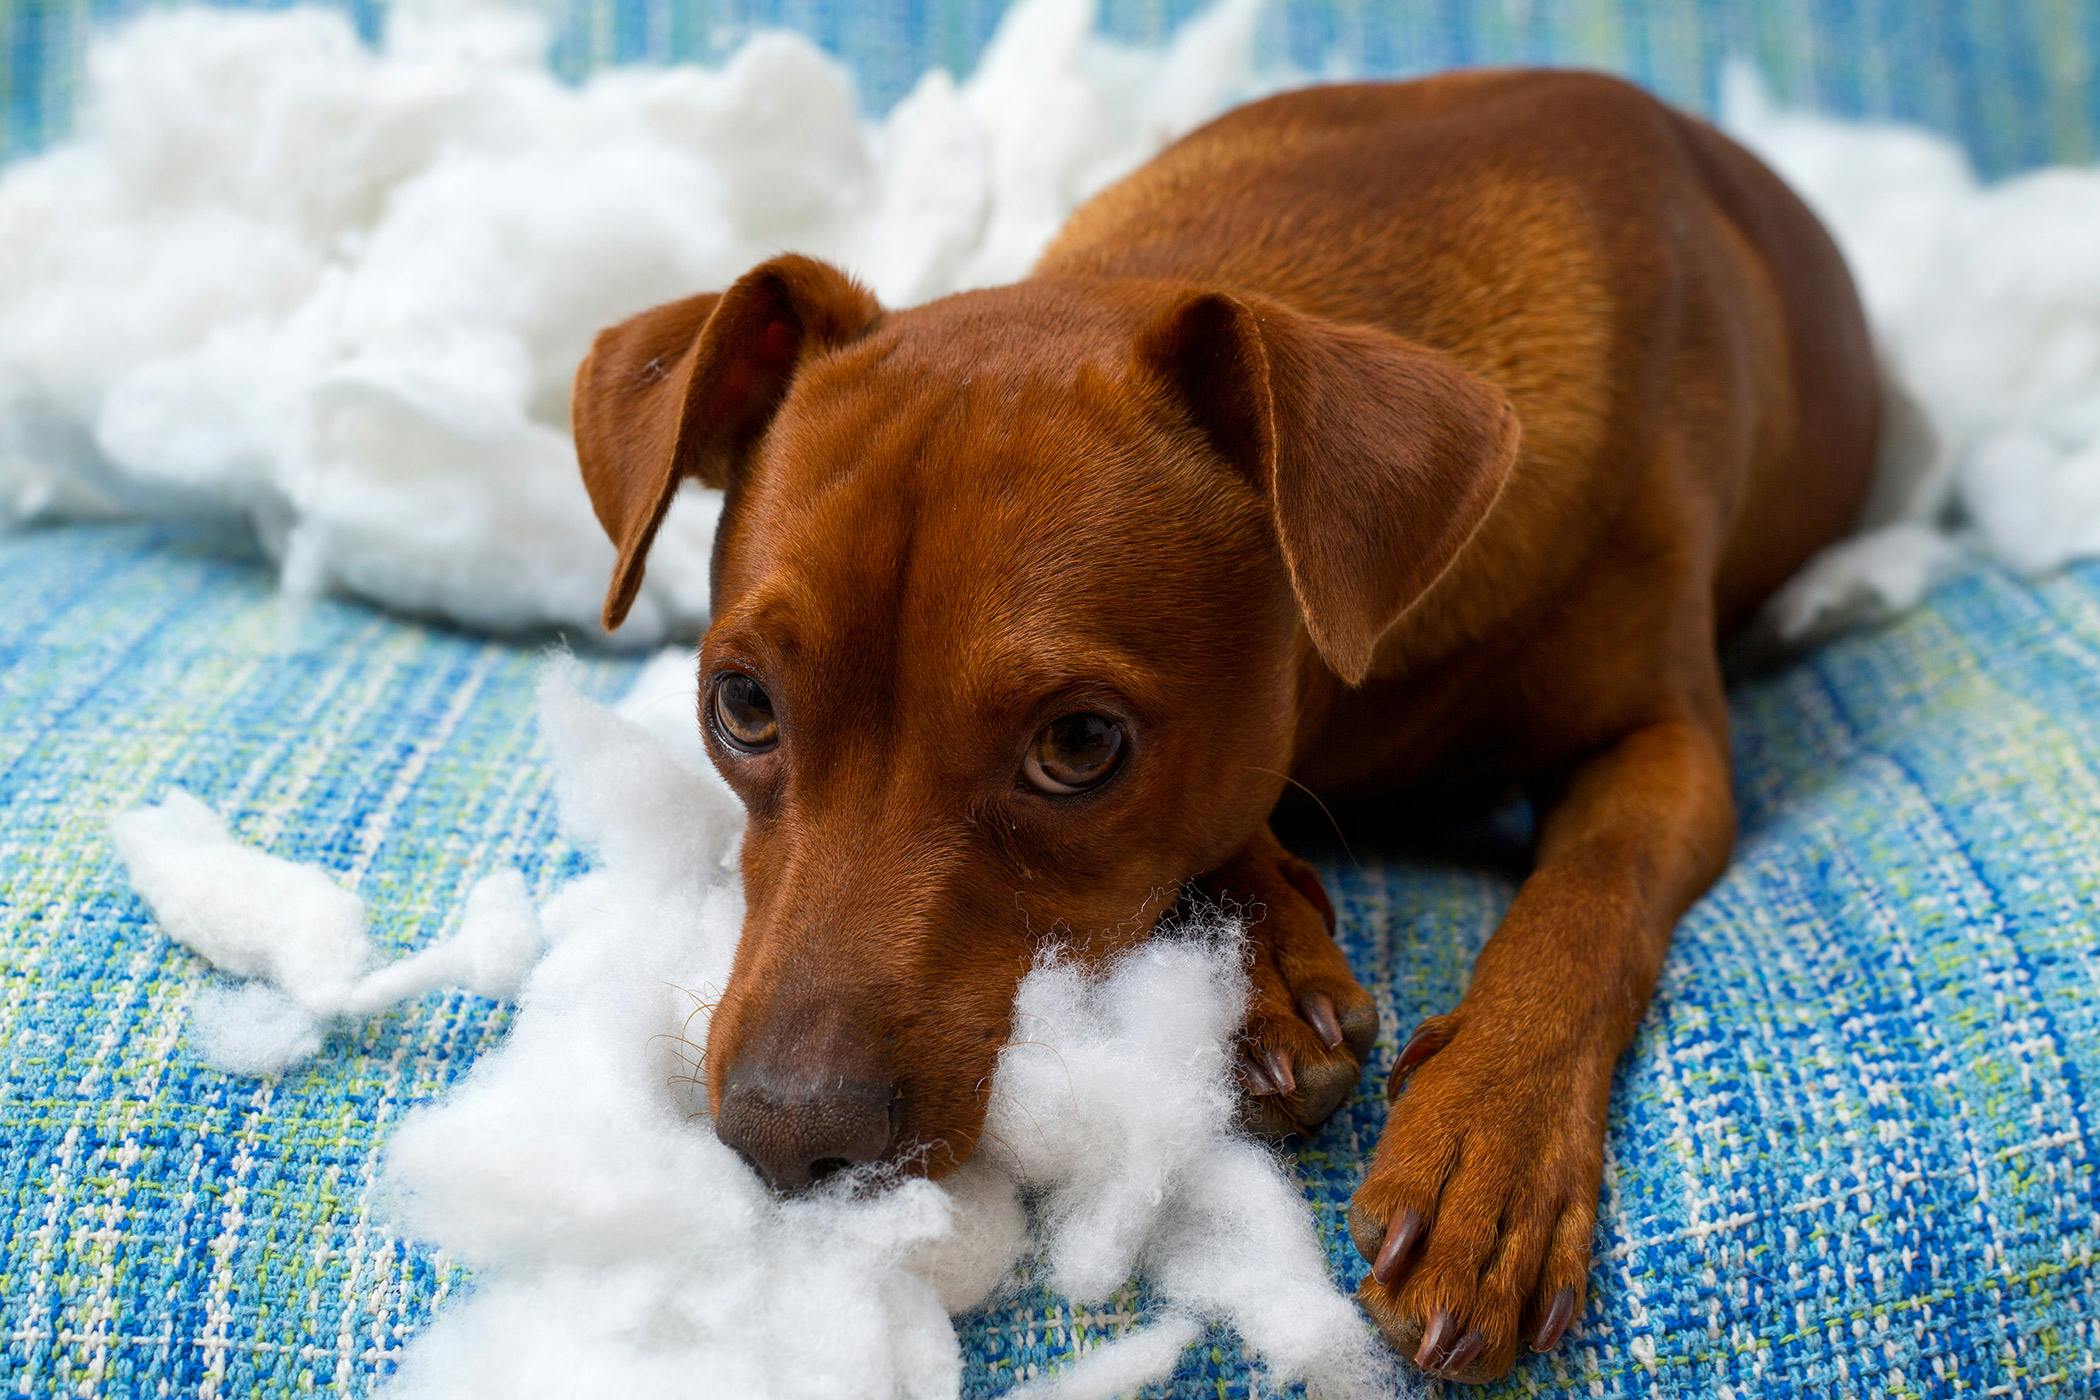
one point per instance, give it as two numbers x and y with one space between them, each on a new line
1852 1150
2014 79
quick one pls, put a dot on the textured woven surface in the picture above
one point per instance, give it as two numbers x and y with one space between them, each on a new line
1852 1150
2015 79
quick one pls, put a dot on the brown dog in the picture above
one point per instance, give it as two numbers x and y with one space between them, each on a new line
1377 436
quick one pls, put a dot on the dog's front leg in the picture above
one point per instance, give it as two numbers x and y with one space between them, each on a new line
1310 1025
1478 1208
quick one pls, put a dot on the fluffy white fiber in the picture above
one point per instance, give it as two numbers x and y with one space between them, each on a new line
301 937
1985 304
621 1249
347 307
249 914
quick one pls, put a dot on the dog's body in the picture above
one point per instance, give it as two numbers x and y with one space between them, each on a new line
1385 436
1679 340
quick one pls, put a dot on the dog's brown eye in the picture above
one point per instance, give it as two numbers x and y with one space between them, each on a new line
744 714
1073 754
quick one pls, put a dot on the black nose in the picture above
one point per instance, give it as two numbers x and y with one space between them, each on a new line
797 1132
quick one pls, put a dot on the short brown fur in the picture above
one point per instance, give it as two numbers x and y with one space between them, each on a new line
1378 438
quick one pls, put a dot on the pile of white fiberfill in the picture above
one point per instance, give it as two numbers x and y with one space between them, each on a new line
620 1249
1985 306
340 293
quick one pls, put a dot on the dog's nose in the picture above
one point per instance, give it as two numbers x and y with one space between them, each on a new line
796 1134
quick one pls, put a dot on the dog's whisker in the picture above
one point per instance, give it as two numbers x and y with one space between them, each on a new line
678 1040
1071 1087
697 1067
1013 1158
700 1004
688 1053
1319 802
992 1091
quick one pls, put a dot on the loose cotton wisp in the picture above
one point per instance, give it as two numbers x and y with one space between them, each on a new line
620 1249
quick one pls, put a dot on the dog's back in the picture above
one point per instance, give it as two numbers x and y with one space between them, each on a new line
1679 337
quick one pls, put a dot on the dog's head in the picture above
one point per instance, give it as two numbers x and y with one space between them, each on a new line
1018 600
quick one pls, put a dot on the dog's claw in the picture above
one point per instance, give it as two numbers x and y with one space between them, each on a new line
1309 1024
1429 1037
1399 1243
1556 1321
1279 1066
1464 1354
1318 1009
1436 1340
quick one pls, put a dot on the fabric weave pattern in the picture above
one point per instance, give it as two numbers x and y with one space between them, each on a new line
1851 1152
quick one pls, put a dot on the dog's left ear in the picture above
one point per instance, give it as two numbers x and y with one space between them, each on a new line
1379 457
688 388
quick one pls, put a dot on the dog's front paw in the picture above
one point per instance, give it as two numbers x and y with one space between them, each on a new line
1310 1026
1477 1212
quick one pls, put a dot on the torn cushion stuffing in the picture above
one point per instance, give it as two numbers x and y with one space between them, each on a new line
621 1249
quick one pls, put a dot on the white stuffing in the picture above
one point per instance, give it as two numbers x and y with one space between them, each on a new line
1985 305
498 941
1874 575
620 1248
252 1028
1144 1173
1120 1366
347 307
300 936
246 913
663 698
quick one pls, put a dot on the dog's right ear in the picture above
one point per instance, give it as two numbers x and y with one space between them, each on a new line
687 389
1378 457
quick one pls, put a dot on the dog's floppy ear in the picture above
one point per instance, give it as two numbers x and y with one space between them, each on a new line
688 388
1379 457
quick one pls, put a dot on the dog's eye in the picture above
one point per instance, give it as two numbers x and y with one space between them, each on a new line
744 714
1073 753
